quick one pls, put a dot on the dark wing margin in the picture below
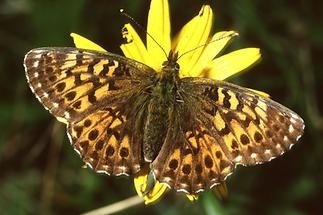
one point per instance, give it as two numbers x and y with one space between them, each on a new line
89 90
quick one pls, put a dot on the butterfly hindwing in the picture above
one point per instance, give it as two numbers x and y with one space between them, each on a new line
193 162
105 143
94 93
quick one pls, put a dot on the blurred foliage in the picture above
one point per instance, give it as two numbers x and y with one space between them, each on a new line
41 174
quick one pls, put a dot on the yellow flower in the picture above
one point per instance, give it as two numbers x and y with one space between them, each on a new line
202 62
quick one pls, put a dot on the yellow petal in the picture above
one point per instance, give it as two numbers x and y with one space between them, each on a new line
195 33
260 93
134 48
155 193
142 183
232 63
83 43
192 197
159 28
211 50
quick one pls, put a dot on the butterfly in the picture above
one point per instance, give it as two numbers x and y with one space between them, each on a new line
122 114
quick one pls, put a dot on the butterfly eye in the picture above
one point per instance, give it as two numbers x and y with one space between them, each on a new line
177 66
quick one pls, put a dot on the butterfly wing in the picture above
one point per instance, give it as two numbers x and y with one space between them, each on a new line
192 161
91 92
221 125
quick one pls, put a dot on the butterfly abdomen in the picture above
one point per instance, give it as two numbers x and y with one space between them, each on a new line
155 128
159 109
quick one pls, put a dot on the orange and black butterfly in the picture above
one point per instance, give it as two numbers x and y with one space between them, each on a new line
122 114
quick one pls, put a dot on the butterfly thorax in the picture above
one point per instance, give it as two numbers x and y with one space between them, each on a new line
160 107
167 78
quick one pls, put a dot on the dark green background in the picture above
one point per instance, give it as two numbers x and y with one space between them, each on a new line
40 172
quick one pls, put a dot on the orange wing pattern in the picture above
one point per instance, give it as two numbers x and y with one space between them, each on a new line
221 125
89 91
212 126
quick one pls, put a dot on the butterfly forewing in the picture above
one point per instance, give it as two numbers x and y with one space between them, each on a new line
254 129
92 92
70 81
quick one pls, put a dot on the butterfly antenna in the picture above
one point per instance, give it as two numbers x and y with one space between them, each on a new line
122 11
234 34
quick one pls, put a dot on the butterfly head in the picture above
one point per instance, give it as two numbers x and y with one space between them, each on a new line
171 65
